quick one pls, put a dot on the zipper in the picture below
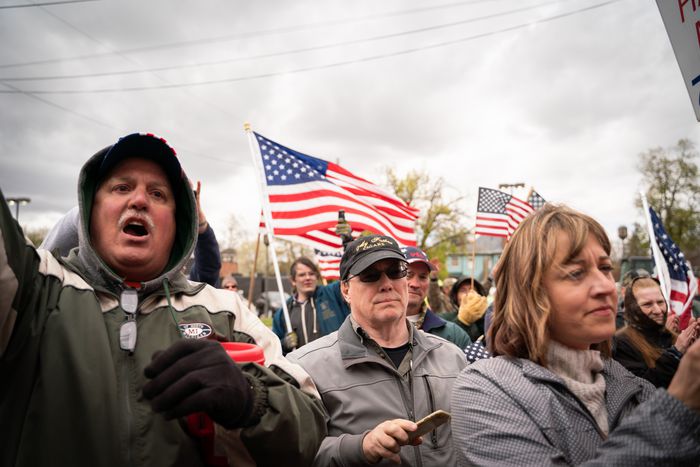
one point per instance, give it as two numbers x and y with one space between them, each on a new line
416 449
431 401
303 323
127 361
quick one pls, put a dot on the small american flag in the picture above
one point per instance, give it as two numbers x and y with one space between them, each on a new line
306 193
679 280
535 200
329 264
498 214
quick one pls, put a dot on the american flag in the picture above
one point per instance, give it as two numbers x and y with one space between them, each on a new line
329 264
306 193
535 200
681 285
498 214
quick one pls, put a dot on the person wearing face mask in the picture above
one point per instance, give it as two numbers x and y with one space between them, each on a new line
645 346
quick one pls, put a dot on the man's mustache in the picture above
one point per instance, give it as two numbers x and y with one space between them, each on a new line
134 214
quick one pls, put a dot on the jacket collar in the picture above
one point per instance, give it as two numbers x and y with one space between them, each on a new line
620 385
354 344
431 321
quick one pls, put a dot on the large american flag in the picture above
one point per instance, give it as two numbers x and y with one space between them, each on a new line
306 193
681 285
498 214
329 264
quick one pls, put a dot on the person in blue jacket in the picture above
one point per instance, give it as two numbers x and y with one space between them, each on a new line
314 310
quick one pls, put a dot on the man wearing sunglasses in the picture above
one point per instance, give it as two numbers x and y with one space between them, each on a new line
377 374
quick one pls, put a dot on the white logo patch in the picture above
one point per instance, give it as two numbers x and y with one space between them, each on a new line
195 330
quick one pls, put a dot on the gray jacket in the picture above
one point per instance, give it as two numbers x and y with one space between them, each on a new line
515 412
360 389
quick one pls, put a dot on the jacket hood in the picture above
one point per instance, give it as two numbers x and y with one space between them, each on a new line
478 288
92 265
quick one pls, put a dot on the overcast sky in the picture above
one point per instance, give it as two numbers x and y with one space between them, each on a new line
562 95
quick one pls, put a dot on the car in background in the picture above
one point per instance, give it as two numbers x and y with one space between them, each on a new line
635 263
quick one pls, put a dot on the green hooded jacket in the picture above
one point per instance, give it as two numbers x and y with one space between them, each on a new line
69 396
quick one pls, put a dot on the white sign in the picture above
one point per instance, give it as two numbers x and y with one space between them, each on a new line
682 21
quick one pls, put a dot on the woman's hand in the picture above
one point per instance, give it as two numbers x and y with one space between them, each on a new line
685 385
672 322
687 336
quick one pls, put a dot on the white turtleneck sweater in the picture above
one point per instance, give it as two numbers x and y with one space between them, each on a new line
581 372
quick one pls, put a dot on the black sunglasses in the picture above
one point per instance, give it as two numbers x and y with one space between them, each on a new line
399 271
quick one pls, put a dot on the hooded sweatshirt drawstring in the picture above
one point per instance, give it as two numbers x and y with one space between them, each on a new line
303 318
166 287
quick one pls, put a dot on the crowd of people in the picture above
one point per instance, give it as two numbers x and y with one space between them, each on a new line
108 350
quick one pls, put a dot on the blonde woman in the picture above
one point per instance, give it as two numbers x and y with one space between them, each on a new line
552 395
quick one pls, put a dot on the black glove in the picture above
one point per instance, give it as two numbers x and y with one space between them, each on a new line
196 375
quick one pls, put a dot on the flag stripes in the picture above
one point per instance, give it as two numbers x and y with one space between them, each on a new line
305 194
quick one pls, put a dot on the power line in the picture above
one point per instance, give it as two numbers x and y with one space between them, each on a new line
282 53
27 5
60 107
245 35
326 66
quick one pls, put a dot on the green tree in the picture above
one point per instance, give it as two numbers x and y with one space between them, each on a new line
440 228
670 176
638 242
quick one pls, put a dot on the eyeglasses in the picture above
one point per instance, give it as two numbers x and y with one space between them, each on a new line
396 272
231 287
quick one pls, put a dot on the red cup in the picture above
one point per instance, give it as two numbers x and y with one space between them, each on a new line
199 424
242 352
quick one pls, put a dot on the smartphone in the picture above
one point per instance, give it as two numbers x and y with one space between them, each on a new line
429 423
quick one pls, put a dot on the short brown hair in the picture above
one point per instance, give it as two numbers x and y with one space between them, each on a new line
306 262
520 325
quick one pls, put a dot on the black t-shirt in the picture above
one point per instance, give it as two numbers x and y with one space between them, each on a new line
397 354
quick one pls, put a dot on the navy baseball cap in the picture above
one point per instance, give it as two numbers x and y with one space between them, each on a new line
416 255
363 252
145 146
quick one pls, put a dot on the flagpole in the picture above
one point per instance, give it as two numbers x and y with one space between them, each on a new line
257 162
473 262
253 270
658 258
